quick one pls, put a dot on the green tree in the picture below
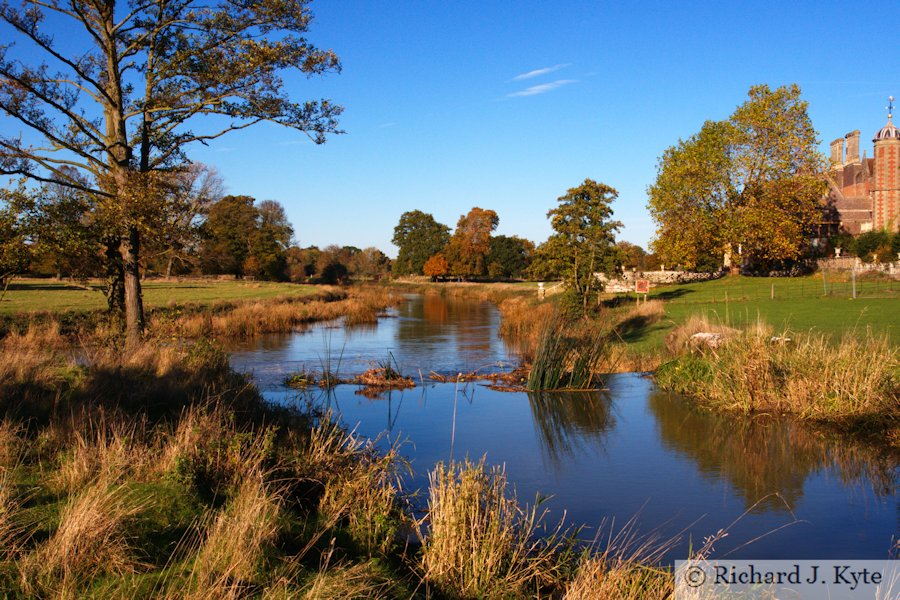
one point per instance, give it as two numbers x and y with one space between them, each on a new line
583 242
14 251
418 237
509 256
273 238
119 95
471 241
229 233
750 184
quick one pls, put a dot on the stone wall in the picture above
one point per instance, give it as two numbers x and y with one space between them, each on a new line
669 277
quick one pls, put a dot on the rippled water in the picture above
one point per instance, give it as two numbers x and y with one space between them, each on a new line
632 451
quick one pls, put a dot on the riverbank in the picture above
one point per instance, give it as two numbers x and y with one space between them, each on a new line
164 474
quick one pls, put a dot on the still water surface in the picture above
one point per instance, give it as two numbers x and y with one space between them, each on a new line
781 490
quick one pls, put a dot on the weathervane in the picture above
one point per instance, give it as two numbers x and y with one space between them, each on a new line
890 106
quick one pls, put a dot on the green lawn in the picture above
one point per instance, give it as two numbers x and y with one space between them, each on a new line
800 304
27 295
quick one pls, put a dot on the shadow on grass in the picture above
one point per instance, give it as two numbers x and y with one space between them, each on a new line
637 328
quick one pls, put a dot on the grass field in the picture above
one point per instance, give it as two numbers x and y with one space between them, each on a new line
800 304
28 295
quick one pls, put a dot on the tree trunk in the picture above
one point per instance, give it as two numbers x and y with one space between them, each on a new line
115 280
169 267
134 305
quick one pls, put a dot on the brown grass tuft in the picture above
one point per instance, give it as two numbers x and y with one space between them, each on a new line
678 339
479 541
90 541
232 554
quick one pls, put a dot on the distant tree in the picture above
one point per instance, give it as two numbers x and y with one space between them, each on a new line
272 239
750 184
868 244
14 251
370 263
418 237
124 88
436 267
583 242
509 256
632 256
228 235
175 244
471 241
331 266
301 263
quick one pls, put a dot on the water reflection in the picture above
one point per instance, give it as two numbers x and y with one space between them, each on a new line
632 450
570 423
763 458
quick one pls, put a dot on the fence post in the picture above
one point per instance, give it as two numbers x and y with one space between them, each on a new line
772 297
853 278
824 284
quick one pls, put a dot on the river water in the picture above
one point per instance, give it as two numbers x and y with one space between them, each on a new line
629 453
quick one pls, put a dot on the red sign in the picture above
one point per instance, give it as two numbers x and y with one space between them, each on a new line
642 286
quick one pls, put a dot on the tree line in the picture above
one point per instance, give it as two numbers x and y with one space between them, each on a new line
57 231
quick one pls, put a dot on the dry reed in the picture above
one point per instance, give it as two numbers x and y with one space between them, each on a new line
479 541
91 540
803 374
231 556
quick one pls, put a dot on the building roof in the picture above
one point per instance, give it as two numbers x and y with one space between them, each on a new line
888 132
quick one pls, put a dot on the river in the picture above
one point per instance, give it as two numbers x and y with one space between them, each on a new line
626 456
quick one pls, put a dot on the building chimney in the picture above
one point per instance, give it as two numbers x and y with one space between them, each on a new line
852 146
837 152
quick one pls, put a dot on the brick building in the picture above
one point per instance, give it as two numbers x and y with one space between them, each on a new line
864 193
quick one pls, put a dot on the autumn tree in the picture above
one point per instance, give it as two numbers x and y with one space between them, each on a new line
301 263
130 86
418 237
751 184
370 263
436 266
471 241
583 239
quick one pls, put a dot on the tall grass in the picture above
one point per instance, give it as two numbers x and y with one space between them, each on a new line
230 558
91 540
480 542
571 356
250 318
806 375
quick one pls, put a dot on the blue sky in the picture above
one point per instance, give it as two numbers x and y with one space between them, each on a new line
450 105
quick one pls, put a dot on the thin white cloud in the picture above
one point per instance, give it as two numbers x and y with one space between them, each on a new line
541 89
539 72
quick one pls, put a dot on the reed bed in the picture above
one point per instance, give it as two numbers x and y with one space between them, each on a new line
357 305
572 355
802 374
